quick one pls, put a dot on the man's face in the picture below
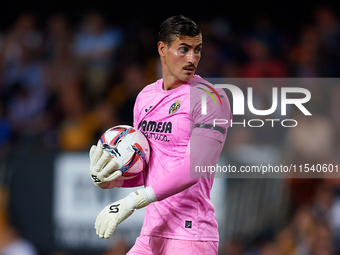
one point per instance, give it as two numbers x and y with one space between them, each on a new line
182 57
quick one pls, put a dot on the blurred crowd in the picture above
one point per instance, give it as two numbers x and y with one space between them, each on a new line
62 85
59 86
312 228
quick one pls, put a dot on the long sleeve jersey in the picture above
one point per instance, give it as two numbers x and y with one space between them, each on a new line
181 137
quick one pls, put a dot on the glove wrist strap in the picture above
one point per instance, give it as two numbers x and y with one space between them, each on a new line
143 197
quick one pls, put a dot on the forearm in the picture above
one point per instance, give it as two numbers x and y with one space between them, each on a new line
134 182
179 179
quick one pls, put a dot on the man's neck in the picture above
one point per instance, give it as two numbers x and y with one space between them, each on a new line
170 82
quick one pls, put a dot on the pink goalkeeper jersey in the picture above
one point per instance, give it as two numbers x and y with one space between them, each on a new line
168 121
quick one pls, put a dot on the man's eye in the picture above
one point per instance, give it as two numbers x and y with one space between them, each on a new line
198 50
183 49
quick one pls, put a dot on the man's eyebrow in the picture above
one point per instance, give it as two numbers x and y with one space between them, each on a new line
189 46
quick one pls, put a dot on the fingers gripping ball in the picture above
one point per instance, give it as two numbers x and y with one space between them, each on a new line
128 147
102 167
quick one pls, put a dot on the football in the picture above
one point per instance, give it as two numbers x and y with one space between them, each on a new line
128 147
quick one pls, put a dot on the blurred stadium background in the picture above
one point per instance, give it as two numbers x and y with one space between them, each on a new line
68 71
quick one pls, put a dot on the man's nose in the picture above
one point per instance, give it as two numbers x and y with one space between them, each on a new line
192 58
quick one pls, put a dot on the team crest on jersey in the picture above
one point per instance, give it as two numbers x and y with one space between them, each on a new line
175 106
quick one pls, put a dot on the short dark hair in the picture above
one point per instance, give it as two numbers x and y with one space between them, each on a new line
177 26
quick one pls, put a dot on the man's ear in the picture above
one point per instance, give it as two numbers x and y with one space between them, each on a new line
161 48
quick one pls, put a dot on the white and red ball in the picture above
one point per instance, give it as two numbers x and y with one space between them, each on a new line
128 147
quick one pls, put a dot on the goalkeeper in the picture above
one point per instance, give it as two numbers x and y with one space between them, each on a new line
179 217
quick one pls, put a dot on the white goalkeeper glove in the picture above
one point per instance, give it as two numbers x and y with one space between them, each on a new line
103 169
113 214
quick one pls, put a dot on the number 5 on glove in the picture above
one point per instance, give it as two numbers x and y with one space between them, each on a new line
113 214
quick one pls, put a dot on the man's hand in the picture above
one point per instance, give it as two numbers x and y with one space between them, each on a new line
103 169
113 214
